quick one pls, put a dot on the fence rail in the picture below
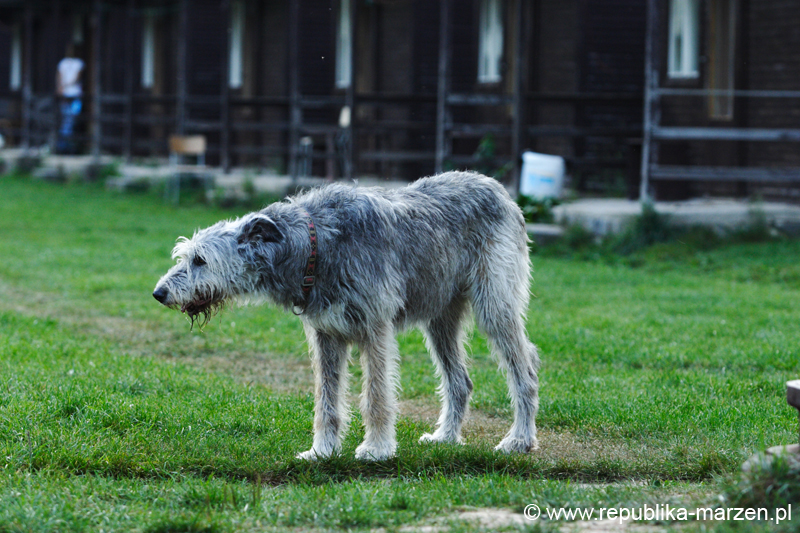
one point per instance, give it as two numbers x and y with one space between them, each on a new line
654 132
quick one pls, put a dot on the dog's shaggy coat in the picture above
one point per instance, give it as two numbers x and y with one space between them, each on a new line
387 259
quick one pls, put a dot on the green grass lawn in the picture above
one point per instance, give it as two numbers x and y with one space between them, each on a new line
658 381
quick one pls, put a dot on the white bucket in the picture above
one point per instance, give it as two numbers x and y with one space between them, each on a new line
542 175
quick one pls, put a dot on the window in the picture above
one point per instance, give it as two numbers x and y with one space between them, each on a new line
15 75
77 29
235 71
344 44
148 50
722 44
684 29
490 41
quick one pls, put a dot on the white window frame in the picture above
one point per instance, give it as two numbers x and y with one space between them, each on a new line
15 73
490 41
236 45
148 50
683 55
344 46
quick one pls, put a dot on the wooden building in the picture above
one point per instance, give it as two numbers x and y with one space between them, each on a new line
722 113
392 88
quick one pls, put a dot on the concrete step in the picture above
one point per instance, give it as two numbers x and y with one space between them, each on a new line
543 234
606 216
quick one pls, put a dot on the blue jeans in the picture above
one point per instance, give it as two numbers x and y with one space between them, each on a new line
70 109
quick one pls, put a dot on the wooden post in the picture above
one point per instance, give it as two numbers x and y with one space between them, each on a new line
295 112
350 100
180 105
96 66
224 155
27 75
443 85
650 85
520 83
55 125
127 140
578 142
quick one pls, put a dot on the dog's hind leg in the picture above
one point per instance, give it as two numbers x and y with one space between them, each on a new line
330 358
499 302
521 360
444 337
379 394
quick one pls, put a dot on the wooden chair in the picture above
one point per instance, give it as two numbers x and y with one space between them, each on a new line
182 147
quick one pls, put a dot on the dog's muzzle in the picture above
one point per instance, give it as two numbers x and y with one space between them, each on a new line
161 294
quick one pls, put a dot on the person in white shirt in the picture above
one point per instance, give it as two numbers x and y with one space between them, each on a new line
69 92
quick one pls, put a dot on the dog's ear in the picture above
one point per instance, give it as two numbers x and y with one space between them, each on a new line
259 229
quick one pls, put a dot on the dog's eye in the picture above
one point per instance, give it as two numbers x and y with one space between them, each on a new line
198 261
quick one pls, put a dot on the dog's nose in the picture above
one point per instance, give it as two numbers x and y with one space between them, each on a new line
160 294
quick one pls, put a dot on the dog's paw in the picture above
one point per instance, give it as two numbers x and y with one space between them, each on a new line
517 445
312 455
438 436
428 437
375 451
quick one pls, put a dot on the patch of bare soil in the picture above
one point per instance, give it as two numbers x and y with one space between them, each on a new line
486 429
137 337
485 519
489 519
608 526
288 374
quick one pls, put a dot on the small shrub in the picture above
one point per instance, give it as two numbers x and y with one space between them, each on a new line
757 228
140 186
99 173
537 209
485 158
647 229
27 164
774 486
576 237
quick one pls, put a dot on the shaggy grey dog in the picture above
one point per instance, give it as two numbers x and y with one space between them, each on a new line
384 260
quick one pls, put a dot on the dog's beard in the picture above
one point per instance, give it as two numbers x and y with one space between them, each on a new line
201 309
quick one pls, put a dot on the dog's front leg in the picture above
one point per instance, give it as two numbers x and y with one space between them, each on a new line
329 359
379 394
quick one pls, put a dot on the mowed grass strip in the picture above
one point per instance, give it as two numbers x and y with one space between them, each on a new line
671 371
79 406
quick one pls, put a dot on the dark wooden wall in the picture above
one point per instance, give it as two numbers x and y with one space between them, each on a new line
774 63
766 57
555 69
611 58
579 49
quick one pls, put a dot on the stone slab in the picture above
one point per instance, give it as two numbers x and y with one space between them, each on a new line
543 234
607 216
762 461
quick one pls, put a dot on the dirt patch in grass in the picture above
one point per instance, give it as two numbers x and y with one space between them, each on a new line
282 374
290 374
490 519
555 446
608 526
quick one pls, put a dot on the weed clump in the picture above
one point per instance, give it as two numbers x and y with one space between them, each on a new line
772 486
647 229
651 237
537 210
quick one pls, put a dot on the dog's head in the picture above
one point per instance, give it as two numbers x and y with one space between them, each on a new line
218 264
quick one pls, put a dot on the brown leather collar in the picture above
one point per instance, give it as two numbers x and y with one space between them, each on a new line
309 277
